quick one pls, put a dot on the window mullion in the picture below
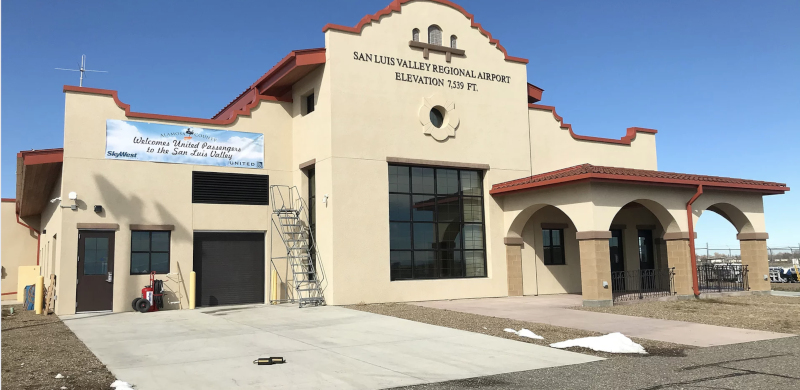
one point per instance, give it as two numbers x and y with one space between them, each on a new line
437 246
411 210
150 251
461 222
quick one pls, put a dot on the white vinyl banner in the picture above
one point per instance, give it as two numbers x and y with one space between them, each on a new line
142 141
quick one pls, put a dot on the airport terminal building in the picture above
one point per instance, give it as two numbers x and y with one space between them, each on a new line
412 148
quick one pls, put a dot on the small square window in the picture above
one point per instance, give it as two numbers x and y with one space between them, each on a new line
309 104
150 252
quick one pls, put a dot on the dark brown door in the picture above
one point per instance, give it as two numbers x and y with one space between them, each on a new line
95 287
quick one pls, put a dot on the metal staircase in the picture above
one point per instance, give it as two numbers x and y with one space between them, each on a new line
290 221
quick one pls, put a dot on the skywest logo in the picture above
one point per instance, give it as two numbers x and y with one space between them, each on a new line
112 153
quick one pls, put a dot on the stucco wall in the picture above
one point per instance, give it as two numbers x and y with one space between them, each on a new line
312 135
135 192
18 247
50 222
553 148
375 116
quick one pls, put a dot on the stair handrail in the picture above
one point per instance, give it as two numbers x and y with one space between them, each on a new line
295 200
318 268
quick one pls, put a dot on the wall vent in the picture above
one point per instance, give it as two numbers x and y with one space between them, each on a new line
230 188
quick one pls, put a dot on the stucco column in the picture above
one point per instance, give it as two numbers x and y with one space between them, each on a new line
514 265
679 257
595 268
754 255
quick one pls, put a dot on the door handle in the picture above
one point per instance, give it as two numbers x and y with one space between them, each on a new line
110 277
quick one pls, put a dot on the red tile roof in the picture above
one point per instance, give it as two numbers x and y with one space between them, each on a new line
642 176
308 58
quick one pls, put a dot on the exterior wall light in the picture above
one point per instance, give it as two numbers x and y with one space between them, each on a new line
605 284
72 196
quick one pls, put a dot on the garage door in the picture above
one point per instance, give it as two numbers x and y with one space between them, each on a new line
229 267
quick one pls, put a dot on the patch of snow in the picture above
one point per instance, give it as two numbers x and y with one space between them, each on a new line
59 376
613 342
120 385
63 387
526 333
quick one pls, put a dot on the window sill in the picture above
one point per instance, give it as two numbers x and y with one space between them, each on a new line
148 273
427 47
438 279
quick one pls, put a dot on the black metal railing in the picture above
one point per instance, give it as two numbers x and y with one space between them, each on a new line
642 284
722 277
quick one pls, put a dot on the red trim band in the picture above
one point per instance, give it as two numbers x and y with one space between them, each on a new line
640 180
44 156
534 93
588 172
246 111
9 293
395 5
626 140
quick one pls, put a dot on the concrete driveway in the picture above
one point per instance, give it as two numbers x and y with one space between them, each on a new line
325 347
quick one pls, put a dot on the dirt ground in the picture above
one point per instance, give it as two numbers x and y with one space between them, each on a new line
493 326
37 348
786 286
758 312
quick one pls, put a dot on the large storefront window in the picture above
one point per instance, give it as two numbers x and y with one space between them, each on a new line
436 223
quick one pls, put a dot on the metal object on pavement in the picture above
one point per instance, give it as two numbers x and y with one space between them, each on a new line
269 361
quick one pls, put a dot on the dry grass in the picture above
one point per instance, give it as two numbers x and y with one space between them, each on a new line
493 326
786 286
758 312
37 348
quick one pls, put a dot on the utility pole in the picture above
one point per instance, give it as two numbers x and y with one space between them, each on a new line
82 69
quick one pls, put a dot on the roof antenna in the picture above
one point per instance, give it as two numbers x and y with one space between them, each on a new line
83 69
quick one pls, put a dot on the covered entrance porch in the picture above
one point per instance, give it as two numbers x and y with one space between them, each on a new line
616 234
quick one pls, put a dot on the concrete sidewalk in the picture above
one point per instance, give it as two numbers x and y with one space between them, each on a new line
325 347
554 310
786 293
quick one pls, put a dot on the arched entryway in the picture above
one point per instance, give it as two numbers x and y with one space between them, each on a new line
731 270
638 254
550 254
542 251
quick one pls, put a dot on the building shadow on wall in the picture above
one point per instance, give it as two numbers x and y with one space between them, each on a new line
131 209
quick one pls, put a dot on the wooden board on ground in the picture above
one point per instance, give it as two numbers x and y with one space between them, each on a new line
51 292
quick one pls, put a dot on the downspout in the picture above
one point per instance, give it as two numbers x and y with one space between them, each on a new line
38 237
692 254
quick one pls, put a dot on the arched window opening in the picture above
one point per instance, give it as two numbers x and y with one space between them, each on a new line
453 40
415 35
435 35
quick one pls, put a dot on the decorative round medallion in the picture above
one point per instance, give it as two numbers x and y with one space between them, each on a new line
438 117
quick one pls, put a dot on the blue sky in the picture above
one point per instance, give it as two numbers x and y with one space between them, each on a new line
719 80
